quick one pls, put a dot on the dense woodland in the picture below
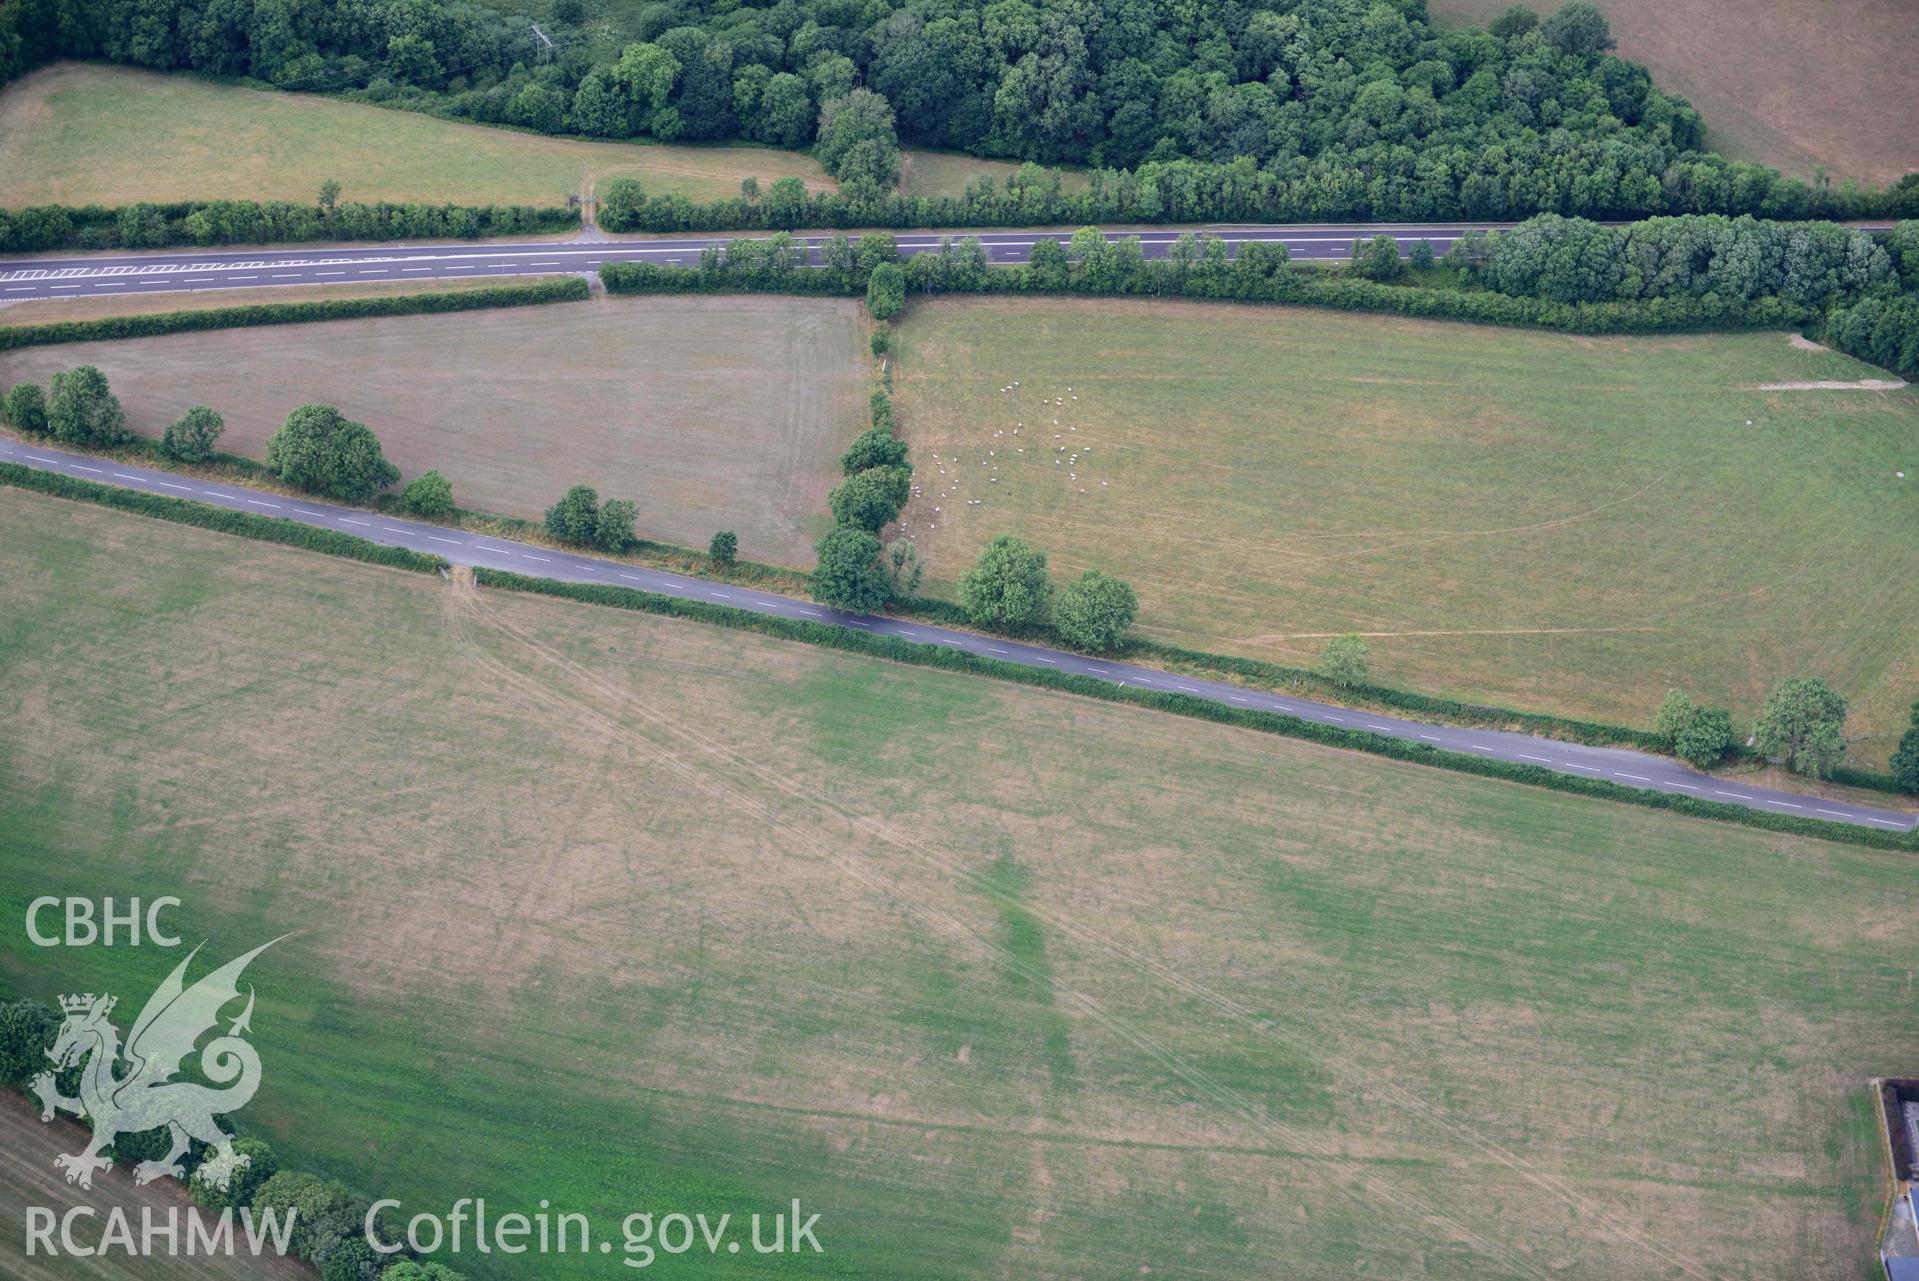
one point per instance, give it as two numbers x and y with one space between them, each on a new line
1294 108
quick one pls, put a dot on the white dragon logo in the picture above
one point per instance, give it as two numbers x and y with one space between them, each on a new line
146 1096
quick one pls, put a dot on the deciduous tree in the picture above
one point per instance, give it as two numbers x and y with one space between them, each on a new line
82 411
319 449
1803 724
849 574
193 435
1095 611
26 407
428 494
575 517
1006 587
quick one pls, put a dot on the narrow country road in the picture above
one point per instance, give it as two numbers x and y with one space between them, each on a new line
1617 765
168 271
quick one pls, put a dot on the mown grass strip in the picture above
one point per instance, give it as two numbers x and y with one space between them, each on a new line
922 655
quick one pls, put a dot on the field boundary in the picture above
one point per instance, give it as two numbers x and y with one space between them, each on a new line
185 511
923 655
571 289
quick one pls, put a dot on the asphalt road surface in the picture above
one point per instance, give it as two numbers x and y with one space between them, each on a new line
89 275
1617 765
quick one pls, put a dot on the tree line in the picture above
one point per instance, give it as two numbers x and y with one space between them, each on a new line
1309 109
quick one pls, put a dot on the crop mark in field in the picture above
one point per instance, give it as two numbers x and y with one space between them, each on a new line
603 694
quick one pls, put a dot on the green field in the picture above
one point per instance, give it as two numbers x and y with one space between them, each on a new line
82 134
1561 524
710 413
629 913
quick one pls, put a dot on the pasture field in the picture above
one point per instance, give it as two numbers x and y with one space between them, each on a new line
1554 523
83 134
630 913
710 413
1790 85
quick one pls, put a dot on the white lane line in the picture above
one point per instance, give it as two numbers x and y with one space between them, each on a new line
1886 823
948 641
812 613
1099 671
1637 778
1376 725
633 577
329 273
907 632
1836 813
1737 796
1688 786
1434 738
997 650
257 503
1528 756
853 622
170 485
120 475
304 512
719 595
1054 661
1479 747
497 551
36 458
1236 698
436 538
82 467
389 529
371 271
1786 804
285 275
1188 688
344 520
1329 716
246 277
1588 768
544 560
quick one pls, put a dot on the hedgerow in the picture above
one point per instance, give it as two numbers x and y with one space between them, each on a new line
1160 279
40 228
571 289
904 651
185 511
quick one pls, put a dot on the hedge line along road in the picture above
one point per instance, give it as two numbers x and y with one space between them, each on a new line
1617 765
160 271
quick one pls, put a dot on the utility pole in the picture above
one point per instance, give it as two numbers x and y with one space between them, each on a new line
545 52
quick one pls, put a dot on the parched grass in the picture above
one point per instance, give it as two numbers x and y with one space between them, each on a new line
627 913
83 134
1792 85
710 413
1553 523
